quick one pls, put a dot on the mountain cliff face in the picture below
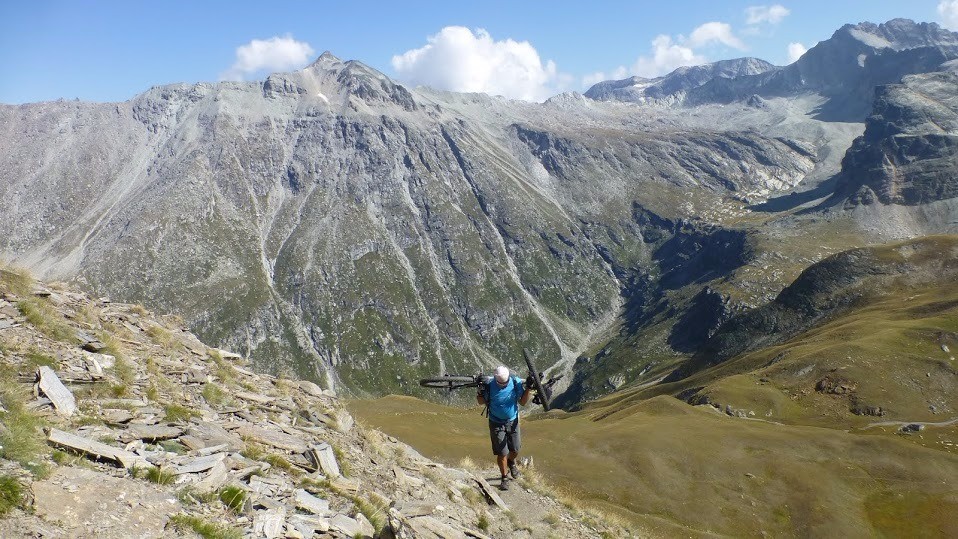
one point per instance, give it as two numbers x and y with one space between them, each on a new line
909 152
334 224
846 68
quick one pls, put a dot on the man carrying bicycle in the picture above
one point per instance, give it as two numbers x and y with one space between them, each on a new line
503 394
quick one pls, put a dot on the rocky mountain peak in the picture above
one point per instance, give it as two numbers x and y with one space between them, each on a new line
352 84
327 56
898 34
673 85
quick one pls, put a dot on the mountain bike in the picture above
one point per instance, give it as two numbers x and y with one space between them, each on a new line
452 382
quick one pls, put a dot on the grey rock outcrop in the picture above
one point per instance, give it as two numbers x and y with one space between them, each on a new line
909 152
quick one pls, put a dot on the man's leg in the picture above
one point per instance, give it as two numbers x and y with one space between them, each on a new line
501 461
511 464
500 444
513 443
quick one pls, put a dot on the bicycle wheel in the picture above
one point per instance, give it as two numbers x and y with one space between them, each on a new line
543 393
448 382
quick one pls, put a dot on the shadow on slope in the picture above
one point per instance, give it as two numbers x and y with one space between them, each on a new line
827 289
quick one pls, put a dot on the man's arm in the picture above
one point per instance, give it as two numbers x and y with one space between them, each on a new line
480 398
526 394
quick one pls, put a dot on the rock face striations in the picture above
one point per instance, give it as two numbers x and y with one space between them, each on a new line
334 224
909 152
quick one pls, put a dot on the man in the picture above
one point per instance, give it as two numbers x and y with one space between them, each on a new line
503 394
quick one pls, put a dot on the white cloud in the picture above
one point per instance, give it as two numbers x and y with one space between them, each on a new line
765 14
669 53
948 12
666 56
618 73
268 55
461 60
795 51
712 32
593 78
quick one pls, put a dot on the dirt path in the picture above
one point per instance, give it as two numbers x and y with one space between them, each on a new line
92 504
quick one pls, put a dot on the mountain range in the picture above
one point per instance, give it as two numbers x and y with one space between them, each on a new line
334 224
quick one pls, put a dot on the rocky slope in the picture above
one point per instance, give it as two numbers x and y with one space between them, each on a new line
326 224
155 434
333 224
907 155
847 67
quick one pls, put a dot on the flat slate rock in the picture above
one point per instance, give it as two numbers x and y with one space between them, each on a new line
96 449
269 524
310 503
115 416
349 526
51 386
149 433
273 438
184 465
324 459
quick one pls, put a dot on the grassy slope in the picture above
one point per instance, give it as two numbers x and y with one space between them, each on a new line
889 346
673 468
803 465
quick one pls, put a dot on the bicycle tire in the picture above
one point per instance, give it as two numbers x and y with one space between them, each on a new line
448 382
543 395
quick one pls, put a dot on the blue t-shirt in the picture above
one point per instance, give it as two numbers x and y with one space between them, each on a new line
504 401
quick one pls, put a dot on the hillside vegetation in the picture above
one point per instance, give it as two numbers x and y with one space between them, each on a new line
840 420
154 434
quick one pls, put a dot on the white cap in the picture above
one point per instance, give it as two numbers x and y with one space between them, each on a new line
502 374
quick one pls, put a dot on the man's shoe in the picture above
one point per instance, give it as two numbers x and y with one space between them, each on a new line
514 470
504 483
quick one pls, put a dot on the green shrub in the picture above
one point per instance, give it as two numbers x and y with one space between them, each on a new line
22 440
176 412
160 335
483 522
36 358
204 528
159 476
11 494
15 280
233 497
213 394
46 319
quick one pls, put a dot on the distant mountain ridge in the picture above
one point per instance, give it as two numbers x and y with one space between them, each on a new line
640 90
845 68
333 223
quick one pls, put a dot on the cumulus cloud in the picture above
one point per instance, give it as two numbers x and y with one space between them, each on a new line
618 73
463 60
268 55
666 56
948 13
714 32
773 14
669 53
795 51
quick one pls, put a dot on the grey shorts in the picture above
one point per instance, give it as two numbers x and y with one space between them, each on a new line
505 437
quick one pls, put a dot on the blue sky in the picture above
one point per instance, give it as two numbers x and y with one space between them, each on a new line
111 50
